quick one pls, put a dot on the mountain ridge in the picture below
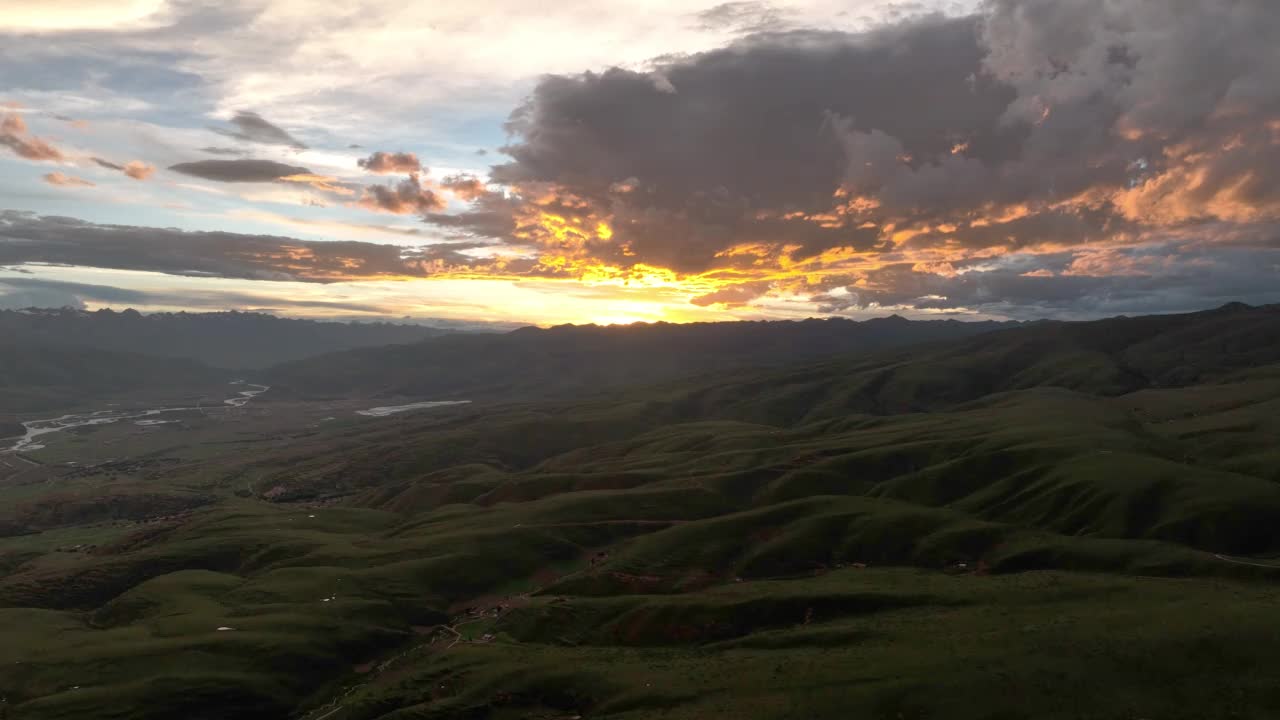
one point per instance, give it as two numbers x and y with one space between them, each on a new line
547 362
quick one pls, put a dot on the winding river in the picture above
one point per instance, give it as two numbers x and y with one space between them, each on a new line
38 428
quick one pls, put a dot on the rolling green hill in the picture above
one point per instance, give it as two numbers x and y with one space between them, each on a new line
1060 520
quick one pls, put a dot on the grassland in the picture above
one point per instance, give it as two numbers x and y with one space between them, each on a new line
908 536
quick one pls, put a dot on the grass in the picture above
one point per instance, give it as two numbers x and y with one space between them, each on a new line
879 644
1016 528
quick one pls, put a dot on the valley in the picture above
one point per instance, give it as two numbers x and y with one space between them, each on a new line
1039 522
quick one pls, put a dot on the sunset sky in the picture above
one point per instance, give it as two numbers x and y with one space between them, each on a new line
665 160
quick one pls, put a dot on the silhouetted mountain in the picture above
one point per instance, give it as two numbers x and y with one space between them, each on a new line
532 362
39 378
224 339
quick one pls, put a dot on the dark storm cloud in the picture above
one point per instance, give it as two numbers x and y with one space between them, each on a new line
754 133
28 238
753 121
233 171
491 215
107 164
1033 126
252 127
222 151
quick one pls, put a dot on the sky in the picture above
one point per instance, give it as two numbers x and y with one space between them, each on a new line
670 160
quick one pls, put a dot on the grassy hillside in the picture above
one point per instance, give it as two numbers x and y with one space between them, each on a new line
42 378
1107 358
1054 521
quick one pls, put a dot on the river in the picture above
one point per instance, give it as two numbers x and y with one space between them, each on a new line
38 428
393 409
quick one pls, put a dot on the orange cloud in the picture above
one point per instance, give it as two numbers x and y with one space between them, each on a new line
404 198
732 295
14 135
1197 190
391 163
324 183
139 170
1111 262
61 180
464 187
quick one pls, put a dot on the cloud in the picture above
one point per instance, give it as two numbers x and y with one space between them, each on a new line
57 178
404 198
16 297
234 171
18 293
222 151
464 187
1034 146
27 238
1174 277
14 135
751 16
670 173
323 183
68 15
732 295
252 127
391 163
139 170
135 169
73 122
797 162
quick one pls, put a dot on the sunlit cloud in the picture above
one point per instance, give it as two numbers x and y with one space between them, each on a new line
15 136
391 163
59 179
64 15
717 159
